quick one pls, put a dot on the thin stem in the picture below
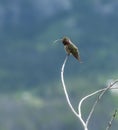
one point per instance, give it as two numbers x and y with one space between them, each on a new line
99 97
67 97
79 113
86 97
64 87
94 105
112 118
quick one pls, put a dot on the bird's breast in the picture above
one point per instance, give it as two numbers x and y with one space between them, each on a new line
67 49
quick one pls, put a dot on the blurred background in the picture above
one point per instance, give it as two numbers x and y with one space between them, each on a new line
31 93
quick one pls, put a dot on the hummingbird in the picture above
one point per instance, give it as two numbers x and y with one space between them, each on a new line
70 48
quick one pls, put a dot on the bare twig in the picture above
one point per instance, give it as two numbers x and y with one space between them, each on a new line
64 87
111 120
103 91
67 97
79 113
86 97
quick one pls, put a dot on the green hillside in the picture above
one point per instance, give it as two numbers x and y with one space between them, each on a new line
31 93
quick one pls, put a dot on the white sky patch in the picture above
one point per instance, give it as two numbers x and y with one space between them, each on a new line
114 89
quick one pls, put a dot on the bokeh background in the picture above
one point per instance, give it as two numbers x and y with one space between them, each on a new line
31 93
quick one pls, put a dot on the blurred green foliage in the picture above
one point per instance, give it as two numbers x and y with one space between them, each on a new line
31 92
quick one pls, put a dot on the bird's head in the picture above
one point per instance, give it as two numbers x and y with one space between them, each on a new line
66 41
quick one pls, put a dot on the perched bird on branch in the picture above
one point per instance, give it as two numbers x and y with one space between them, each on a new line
71 48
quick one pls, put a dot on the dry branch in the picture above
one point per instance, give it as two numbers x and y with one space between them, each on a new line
79 113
